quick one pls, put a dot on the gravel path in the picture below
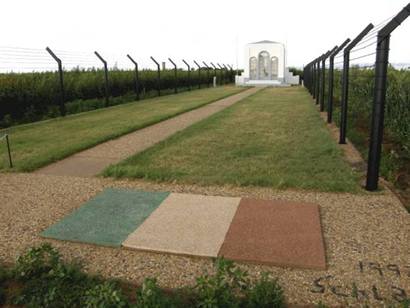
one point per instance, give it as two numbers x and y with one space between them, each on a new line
362 232
92 161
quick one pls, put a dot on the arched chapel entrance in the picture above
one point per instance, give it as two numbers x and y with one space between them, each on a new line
264 71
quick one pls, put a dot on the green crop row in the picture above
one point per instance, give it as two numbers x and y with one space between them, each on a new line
396 145
26 97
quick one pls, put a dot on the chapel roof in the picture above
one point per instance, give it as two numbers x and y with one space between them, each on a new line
266 42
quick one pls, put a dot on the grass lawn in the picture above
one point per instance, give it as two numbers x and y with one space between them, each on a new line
38 144
274 138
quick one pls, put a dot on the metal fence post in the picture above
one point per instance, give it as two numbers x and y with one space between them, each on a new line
175 76
345 82
231 79
107 94
207 72
227 79
318 79
189 74
137 90
214 71
310 77
330 80
323 81
61 79
314 78
222 74
382 60
158 76
199 74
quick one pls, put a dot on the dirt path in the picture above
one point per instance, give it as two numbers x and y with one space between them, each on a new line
92 161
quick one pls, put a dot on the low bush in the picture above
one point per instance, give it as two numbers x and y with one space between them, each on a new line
45 280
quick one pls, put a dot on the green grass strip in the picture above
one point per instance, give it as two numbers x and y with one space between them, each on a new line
38 144
274 138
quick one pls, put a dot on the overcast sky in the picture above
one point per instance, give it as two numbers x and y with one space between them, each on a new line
211 30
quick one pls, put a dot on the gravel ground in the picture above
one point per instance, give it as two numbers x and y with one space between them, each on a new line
367 238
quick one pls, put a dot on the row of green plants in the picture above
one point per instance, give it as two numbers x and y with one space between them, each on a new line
395 165
27 97
40 278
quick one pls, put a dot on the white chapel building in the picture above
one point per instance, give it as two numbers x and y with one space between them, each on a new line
265 65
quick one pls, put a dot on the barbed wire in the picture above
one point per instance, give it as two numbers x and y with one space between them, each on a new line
356 58
364 47
369 36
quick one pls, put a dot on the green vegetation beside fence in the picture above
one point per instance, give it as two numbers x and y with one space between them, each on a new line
395 164
29 97
38 144
274 138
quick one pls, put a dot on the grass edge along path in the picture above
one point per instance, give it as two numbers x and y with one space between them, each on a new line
274 138
38 144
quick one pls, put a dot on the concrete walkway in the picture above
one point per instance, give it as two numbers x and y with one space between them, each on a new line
91 162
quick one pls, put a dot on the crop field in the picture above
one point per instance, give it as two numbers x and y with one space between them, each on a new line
395 164
28 97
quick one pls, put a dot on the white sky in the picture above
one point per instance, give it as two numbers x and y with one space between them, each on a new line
211 30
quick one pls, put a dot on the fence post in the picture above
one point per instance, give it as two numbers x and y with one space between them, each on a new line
158 76
175 76
207 72
189 74
227 79
6 137
61 79
345 82
379 100
314 79
316 85
137 90
231 77
222 74
214 71
199 74
105 77
310 77
331 78
319 71
323 81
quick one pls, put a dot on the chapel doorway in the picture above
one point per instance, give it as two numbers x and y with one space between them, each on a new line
264 71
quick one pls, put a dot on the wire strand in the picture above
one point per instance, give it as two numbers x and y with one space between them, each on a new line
364 56
364 47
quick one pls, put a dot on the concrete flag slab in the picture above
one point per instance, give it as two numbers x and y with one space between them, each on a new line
277 233
186 224
108 218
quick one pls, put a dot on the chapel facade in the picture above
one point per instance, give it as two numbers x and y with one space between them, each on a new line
265 64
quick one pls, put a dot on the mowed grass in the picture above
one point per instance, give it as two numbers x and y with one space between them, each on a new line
38 144
274 138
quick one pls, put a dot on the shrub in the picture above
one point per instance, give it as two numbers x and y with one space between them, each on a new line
151 296
224 288
4 276
44 280
265 293
49 282
105 295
